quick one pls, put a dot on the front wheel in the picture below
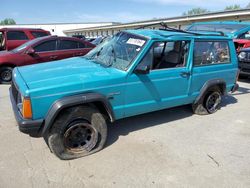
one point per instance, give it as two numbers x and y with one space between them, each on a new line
5 75
77 132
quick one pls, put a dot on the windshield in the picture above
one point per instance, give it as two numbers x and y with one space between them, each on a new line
23 46
225 28
118 51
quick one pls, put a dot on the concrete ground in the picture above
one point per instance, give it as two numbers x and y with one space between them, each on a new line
169 148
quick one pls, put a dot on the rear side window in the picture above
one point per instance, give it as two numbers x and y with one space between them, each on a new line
46 46
211 52
68 44
81 45
37 34
16 35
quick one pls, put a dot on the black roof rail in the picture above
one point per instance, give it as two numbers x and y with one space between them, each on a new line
167 28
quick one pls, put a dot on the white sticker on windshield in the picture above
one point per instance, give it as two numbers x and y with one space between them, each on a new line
137 42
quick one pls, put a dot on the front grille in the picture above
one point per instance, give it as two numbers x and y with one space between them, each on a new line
14 91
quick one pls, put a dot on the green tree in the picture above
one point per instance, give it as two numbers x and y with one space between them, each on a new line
233 7
8 21
195 11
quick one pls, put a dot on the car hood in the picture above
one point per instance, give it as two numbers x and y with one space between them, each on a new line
242 41
75 73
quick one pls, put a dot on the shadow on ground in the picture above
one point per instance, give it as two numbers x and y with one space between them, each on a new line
125 126
128 125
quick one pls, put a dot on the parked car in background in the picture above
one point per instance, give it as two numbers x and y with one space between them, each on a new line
244 62
69 102
43 49
239 31
11 38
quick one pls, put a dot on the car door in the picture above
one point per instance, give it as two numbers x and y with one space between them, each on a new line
166 85
83 48
46 51
68 48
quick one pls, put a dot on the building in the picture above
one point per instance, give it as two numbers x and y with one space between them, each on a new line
58 28
176 22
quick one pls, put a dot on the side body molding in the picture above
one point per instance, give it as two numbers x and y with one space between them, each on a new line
72 101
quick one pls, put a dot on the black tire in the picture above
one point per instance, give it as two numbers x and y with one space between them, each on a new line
5 75
243 76
77 132
209 103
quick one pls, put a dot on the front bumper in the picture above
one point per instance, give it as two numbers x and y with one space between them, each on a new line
244 68
31 127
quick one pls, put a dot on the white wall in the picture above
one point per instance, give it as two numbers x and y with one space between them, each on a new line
57 29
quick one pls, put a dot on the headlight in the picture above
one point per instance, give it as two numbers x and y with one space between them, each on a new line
242 55
20 99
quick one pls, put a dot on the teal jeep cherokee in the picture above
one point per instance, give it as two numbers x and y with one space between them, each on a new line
69 102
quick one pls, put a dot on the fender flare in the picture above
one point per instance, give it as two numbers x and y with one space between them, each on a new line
74 100
209 84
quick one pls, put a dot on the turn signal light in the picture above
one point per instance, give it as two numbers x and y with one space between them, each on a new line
27 111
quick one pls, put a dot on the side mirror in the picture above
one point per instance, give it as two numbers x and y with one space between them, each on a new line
143 69
30 51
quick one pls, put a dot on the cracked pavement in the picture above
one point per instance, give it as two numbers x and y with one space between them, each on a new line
169 148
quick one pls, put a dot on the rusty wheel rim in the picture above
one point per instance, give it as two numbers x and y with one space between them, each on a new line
80 137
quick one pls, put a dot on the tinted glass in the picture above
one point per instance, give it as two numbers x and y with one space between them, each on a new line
81 45
68 44
46 46
37 34
208 53
16 35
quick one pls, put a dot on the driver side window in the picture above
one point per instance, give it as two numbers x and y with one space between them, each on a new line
46 46
165 55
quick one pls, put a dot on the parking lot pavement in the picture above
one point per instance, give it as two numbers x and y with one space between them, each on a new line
167 148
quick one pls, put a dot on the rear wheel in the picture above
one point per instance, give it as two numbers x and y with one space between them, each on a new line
209 103
5 75
213 101
77 132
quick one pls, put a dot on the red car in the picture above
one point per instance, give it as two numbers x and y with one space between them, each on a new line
11 38
241 43
43 49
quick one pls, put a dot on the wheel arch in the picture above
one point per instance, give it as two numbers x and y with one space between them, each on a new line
210 84
6 64
94 99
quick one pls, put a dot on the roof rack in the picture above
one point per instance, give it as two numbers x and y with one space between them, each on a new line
167 28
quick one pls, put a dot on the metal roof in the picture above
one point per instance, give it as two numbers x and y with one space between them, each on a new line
217 15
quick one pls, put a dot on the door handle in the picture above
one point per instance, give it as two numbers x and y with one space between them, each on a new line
53 57
185 74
